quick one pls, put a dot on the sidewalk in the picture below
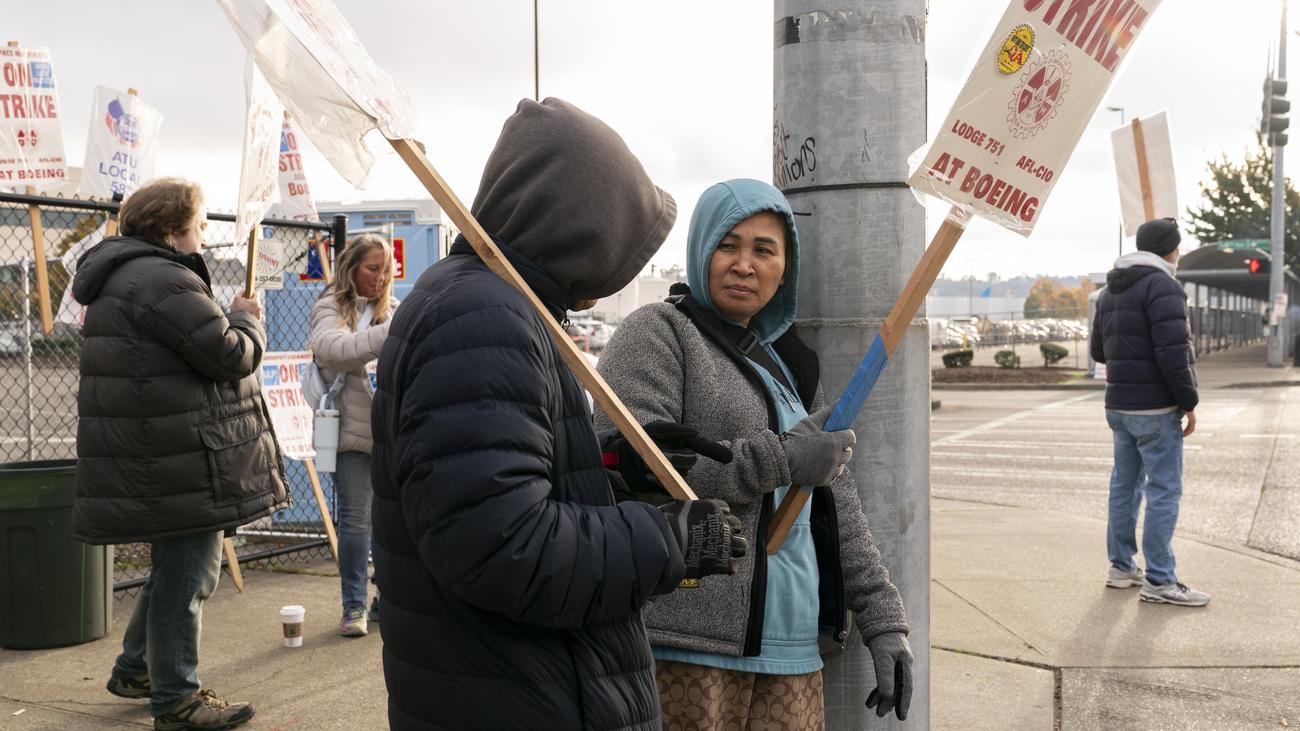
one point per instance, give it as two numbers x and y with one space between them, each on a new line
330 682
1020 618
1244 367
1024 631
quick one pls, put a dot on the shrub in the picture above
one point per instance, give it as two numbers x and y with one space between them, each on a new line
1052 353
1007 359
958 358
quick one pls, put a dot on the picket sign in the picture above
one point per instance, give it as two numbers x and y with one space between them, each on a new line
1144 170
259 167
291 416
322 73
121 146
1010 132
38 247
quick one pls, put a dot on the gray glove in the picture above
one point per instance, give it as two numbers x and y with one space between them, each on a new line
815 456
893 660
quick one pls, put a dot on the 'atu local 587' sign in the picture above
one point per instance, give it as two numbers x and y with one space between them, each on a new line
1025 105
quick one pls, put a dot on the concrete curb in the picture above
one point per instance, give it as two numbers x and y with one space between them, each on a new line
1089 385
1072 386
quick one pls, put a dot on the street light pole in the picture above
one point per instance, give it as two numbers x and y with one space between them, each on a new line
1121 214
865 84
1277 237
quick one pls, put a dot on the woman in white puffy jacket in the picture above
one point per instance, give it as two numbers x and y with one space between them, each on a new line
348 326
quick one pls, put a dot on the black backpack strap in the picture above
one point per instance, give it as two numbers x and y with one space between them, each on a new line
742 340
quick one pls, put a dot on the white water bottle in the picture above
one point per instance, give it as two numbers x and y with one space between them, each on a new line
325 438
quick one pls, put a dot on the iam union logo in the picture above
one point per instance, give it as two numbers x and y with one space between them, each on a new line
1039 95
125 127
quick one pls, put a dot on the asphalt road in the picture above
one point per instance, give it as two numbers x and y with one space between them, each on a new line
1052 449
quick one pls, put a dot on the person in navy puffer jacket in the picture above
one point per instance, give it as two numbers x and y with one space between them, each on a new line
1141 334
512 582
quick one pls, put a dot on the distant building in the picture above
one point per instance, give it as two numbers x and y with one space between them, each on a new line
989 308
641 291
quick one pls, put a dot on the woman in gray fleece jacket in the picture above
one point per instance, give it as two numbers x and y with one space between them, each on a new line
722 357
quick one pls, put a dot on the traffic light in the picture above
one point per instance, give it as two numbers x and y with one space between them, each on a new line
1257 266
1275 121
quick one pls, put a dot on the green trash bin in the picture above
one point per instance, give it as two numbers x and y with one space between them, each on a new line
54 590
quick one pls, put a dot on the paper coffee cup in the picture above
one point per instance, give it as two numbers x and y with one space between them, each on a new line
291 617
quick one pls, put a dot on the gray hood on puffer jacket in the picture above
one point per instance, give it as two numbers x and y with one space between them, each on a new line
563 189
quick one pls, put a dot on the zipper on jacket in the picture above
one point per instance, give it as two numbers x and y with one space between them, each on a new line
758 587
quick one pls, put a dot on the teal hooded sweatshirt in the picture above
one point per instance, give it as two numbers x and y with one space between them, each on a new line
790 614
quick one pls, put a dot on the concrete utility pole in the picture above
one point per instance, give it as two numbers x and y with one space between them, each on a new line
849 108
1277 334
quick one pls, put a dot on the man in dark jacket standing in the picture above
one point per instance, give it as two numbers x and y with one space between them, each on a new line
174 441
512 582
1141 334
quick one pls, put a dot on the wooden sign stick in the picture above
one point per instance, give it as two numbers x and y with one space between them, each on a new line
413 154
232 563
42 276
887 340
1144 174
111 226
250 275
324 509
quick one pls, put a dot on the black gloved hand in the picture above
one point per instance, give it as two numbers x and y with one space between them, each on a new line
708 534
681 444
815 456
892 657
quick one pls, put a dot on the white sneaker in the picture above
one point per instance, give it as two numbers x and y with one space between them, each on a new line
1177 594
1124 579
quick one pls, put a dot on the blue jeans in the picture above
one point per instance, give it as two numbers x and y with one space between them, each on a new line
352 484
1148 459
162 637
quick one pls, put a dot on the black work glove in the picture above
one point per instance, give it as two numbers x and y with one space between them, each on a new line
893 660
816 456
680 444
708 534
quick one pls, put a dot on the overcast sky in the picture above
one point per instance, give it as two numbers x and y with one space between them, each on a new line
687 84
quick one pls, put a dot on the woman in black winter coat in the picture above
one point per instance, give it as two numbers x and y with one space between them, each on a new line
174 441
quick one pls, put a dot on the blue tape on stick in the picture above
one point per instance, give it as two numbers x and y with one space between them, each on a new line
855 394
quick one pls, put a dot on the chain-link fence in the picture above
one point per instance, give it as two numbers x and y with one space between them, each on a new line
39 384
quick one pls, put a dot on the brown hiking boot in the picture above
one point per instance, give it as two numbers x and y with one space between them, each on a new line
130 686
203 710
